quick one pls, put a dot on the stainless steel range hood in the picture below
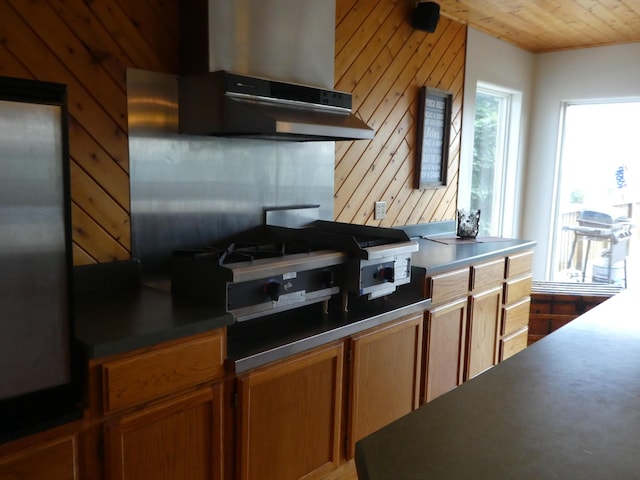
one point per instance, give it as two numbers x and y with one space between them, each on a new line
228 104
280 55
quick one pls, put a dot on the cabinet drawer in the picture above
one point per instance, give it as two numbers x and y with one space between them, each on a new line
516 316
513 344
519 264
487 275
517 289
448 286
133 380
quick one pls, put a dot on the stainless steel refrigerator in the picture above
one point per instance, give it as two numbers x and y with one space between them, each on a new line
37 379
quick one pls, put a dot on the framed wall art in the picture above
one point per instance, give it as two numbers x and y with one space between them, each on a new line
434 123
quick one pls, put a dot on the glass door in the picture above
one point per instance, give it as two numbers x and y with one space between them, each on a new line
597 190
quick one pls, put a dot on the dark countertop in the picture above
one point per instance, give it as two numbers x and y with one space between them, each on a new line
436 256
440 250
117 321
116 313
566 407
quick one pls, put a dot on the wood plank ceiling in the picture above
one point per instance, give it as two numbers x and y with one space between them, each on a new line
550 25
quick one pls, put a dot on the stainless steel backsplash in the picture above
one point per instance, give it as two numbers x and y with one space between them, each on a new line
187 191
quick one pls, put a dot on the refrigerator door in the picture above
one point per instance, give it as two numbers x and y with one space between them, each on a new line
37 378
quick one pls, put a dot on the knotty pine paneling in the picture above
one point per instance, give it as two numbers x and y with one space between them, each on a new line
383 61
88 45
547 26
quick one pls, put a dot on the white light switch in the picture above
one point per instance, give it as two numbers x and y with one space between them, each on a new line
381 210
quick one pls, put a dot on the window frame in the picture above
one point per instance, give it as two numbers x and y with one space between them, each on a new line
506 191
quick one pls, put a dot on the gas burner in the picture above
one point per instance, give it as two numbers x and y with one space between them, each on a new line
252 279
249 251
244 251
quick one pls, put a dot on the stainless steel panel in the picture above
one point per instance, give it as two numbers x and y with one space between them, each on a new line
289 40
188 191
294 217
33 262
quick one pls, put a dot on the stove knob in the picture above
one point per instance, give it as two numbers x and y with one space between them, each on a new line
328 278
388 274
273 290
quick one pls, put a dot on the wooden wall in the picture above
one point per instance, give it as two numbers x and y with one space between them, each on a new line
383 61
89 44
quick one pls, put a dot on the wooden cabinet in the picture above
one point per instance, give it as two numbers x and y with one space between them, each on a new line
181 438
40 457
157 412
289 416
134 379
516 305
385 376
296 416
485 310
445 340
446 332
479 317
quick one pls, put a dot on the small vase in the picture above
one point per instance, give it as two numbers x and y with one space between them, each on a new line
468 223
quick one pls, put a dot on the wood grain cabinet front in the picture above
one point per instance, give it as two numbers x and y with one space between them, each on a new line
180 438
485 310
134 379
448 286
516 304
478 317
157 412
445 340
40 459
289 417
385 365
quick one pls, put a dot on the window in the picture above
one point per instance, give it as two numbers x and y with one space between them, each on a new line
495 159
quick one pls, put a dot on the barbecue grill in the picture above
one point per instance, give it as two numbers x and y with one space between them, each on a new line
598 226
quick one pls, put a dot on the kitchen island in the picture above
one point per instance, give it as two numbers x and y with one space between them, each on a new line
567 407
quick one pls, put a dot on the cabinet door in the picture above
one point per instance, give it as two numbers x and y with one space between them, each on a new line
290 415
385 376
53 459
445 348
181 438
484 330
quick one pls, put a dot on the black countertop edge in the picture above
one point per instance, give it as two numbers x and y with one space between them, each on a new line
251 345
131 343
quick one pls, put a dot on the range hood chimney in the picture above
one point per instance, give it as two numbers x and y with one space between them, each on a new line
262 69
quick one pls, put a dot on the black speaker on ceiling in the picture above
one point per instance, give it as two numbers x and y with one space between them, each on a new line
425 16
